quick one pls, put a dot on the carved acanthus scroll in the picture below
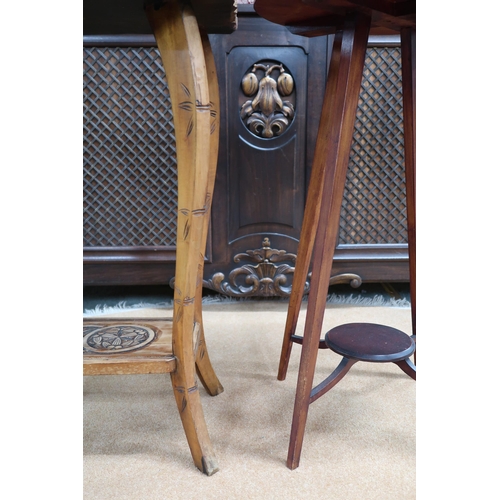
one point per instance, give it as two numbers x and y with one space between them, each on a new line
270 276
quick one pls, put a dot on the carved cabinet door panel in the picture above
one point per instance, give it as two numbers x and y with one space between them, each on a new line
265 146
267 140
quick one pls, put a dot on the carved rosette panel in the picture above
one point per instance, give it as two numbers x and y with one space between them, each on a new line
270 106
117 338
267 273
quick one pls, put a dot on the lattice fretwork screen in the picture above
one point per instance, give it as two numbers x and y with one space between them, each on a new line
130 173
374 204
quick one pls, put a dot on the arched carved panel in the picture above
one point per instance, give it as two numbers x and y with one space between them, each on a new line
267 92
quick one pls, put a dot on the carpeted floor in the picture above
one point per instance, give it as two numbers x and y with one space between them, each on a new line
359 440
102 298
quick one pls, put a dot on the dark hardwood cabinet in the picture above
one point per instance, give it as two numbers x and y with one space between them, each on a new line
272 85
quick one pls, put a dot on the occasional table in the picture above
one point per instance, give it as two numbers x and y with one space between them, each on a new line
177 345
351 21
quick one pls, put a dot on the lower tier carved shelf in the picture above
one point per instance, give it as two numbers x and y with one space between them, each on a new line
112 346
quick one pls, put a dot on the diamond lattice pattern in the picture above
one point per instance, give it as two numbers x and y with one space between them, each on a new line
374 204
130 171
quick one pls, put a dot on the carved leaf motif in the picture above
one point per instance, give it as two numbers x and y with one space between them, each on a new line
190 127
288 109
267 126
187 227
186 105
267 115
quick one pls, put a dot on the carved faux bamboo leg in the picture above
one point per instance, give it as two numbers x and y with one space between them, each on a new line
204 367
335 137
177 35
408 59
315 195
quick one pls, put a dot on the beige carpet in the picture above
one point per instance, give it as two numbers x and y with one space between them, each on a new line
359 440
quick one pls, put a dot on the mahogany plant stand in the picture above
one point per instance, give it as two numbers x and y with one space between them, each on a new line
351 21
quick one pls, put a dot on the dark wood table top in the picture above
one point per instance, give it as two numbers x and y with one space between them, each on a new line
323 17
120 17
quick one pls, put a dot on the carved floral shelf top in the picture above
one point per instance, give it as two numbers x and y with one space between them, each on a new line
116 338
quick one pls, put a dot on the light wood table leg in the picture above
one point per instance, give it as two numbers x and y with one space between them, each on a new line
204 367
332 151
177 35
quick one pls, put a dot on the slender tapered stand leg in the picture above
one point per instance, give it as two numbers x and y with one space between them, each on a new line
315 195
178 38
321 178
408 60
332 150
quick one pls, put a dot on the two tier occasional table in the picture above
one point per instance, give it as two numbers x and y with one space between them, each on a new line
351 21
